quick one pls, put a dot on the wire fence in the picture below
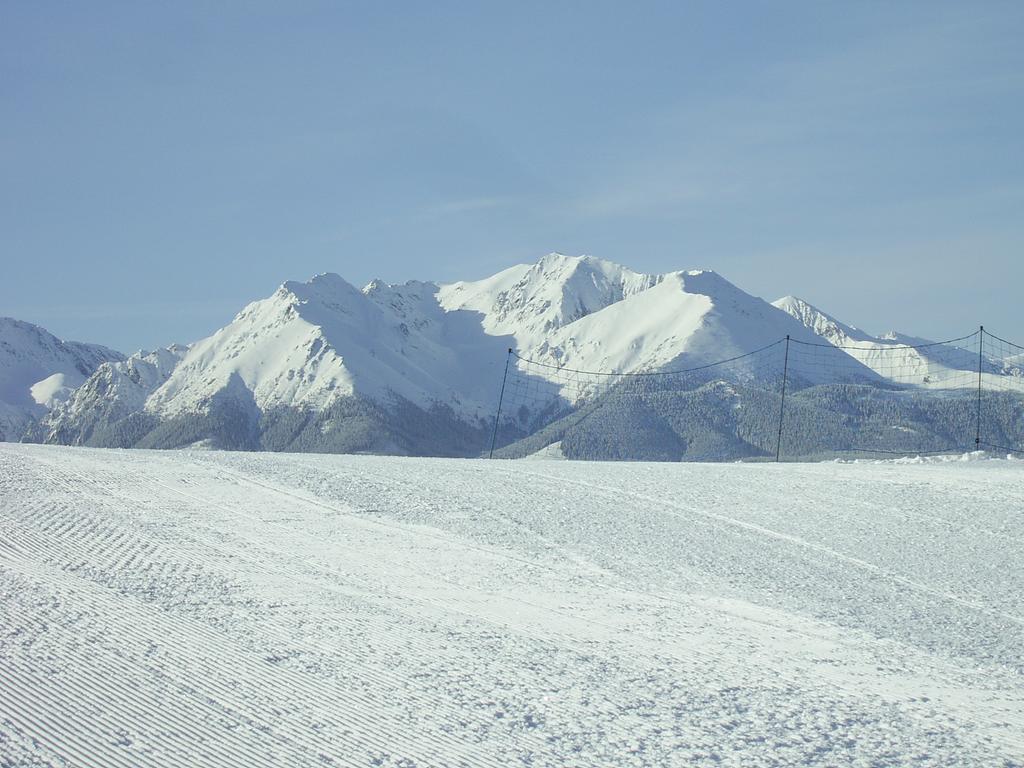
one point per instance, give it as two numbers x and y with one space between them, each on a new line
788 399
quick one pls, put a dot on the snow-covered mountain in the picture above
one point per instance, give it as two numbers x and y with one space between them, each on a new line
117 390
823 325
896 357
415 367
38 371
310 343
588 314
439 345
432 353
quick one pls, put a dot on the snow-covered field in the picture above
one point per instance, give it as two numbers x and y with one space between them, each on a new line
219 609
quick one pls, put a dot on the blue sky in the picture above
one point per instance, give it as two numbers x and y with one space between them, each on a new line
163 164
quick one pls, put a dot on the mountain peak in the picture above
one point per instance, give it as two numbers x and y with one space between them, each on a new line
559 290
821 323
796 303
710 283
324 285
567 264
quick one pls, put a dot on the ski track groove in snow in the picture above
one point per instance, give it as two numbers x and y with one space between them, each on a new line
684 511
320 694
782 538
211 609
767 532
843 558
315 693
604 586
224 704
125 632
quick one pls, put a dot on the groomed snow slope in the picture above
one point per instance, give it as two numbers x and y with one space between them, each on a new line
214 609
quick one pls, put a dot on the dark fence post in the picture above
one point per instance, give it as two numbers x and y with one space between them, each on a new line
497 414
977 418
782 406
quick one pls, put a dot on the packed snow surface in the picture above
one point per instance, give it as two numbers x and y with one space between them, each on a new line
216 609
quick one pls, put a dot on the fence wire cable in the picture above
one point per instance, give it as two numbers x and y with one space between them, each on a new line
868 397
649 373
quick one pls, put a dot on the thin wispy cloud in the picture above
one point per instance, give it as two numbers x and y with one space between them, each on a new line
462 206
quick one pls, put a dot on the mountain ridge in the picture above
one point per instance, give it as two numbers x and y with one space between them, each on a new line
324 365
